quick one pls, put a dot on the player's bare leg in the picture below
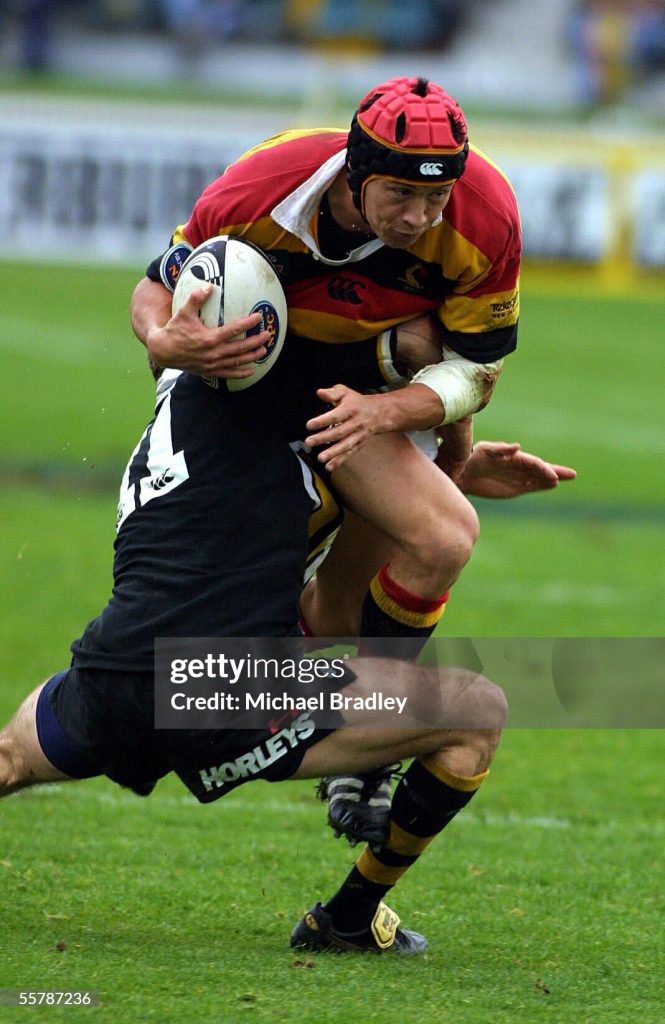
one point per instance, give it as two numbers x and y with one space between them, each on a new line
22 760
450 765
397 489
331 603
422 528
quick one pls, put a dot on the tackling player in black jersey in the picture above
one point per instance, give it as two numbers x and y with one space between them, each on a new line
212 537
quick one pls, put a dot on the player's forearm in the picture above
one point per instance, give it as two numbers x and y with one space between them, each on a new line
464 387
415 407
150 309
458 438
456 448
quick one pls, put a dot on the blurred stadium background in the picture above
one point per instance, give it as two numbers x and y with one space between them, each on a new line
113 115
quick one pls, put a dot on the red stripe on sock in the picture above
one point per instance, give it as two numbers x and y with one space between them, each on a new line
405 599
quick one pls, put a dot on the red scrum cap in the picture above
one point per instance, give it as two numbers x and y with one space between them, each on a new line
409 129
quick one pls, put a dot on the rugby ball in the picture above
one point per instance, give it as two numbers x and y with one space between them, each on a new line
243 282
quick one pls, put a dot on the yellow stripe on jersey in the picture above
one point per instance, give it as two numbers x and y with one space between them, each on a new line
326 520
461 260
264 232
316 550
484 156
335 329
287 136
328 512
179 235
485 313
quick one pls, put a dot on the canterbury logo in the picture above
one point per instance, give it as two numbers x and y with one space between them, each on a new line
167 477
431 168
345 289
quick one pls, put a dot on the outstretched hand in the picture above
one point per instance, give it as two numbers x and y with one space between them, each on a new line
497 469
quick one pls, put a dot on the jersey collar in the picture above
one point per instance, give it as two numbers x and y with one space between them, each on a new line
295 212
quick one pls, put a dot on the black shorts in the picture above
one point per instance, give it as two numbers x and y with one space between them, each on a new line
100 722
306 365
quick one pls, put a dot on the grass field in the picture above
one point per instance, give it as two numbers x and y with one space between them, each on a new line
542 903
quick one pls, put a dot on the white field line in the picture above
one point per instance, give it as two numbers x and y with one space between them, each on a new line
559 594
81 347
114 797
74 346
595 426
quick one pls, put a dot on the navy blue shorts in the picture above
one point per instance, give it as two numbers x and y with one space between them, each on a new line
100 722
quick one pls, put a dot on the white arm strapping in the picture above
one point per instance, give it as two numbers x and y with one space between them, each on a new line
463 386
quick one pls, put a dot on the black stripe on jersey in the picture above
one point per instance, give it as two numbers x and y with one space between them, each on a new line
477 347
403 271
393 269
139 466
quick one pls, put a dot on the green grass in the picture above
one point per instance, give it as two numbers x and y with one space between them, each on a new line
75 384
583 388
541 903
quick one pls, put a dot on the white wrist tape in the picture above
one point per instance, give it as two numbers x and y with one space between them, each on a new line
463 387
386 346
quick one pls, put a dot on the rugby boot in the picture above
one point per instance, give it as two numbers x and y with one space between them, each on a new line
359 805
315 932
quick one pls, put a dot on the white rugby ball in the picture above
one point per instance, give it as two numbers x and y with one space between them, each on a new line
243 282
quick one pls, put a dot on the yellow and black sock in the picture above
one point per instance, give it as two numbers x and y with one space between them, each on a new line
426 799
394 622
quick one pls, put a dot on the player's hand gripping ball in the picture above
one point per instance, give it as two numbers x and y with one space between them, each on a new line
243 282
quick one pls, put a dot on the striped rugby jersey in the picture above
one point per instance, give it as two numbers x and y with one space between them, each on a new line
465 268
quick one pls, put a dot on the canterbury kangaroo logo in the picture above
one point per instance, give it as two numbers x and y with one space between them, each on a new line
162 480
431 169
345 289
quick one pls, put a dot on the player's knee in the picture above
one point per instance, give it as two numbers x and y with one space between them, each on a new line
10 768
461 699
494 704
477 711
480 747
485 709
445 544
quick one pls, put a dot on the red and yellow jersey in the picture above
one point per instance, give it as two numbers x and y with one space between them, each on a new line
465 268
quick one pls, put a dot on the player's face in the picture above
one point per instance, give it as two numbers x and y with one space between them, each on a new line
399 213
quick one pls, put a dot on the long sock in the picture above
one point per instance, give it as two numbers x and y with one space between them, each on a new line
394 622
426 799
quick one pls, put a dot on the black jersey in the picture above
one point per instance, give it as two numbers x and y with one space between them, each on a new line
212 525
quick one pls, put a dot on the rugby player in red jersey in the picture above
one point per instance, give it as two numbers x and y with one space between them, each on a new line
396 220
